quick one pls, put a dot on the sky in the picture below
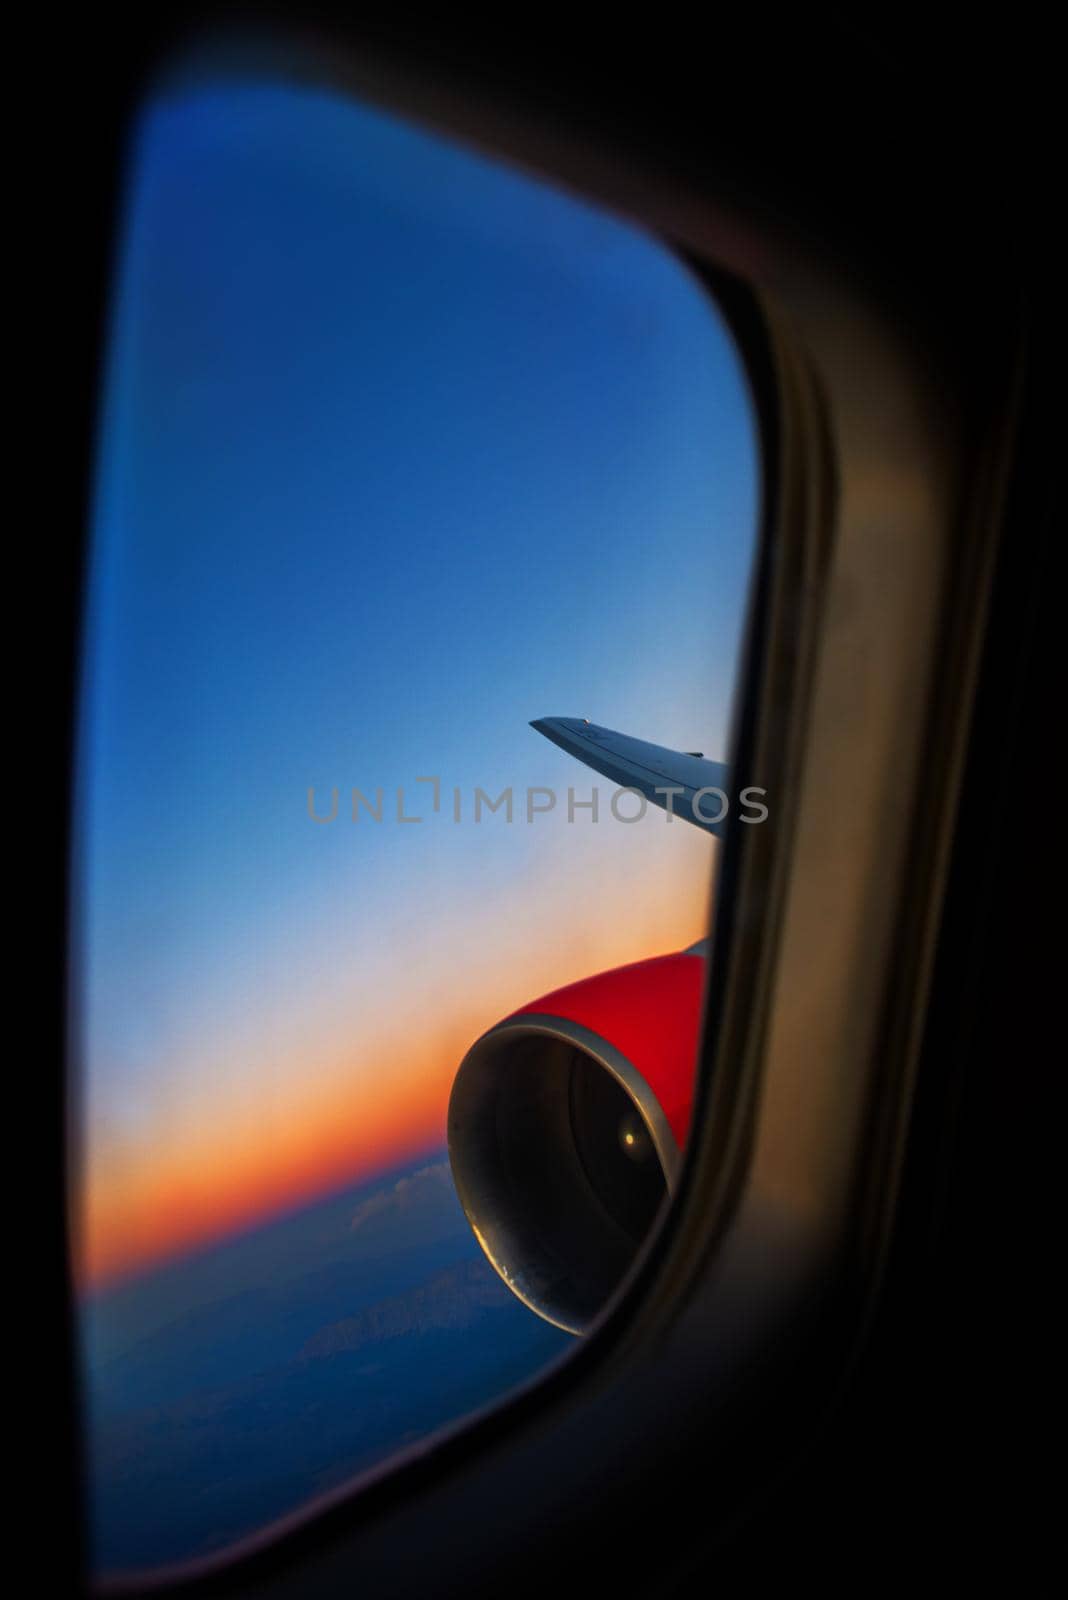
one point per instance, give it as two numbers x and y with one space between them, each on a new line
400 448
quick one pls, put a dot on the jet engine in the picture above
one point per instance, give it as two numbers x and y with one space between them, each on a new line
566 1127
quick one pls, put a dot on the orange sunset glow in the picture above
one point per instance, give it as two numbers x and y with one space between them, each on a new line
304 1125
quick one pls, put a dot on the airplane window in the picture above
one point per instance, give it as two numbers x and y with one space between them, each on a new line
424 517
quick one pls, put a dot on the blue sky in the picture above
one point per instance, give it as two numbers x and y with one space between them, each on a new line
401 449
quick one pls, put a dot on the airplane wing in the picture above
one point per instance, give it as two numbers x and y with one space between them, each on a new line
649 768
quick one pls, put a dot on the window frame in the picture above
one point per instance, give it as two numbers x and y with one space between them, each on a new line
765 1241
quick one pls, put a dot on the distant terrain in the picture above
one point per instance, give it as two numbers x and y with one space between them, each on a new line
226 1389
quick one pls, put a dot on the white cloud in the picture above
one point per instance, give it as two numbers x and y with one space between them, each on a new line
400 1194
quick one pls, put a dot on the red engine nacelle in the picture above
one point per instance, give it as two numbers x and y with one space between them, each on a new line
566 1127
